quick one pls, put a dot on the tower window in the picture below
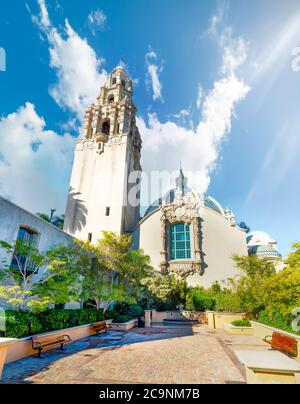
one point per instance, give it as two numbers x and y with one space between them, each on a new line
107 211
90 237
114 81
111 99
123 83
106 128
180 241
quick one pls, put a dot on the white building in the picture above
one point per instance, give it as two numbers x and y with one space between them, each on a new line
184 233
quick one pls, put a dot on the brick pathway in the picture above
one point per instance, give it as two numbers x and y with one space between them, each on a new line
159 355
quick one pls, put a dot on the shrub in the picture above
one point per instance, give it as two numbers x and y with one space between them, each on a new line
277 320
22 324
87 316
227 301
131 310
241 323
123 318
54 320
199 299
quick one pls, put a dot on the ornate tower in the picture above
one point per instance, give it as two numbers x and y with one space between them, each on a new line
104 189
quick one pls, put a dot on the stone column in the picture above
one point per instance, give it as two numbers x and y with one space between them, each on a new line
196 240
148 318
164 253
4 344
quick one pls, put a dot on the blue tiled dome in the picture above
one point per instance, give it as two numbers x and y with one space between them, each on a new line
169 197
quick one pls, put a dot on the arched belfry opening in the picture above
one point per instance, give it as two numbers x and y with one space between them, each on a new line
106 127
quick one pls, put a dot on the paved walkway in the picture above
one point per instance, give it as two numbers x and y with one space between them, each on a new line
158 355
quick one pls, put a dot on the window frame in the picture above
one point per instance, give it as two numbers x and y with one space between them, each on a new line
180 242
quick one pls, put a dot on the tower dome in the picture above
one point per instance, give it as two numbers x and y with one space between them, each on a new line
263 246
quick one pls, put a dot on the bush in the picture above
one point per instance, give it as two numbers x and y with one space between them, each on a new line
241 323
123 318
22 324
199 299
87 316
277 320
125 309
227 301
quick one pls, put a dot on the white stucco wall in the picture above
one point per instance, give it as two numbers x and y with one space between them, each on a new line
12 217
97 183
219 242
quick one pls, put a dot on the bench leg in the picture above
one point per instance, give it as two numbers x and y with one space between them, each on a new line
62 347
39 354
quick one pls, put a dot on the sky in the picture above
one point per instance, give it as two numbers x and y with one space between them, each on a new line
216 85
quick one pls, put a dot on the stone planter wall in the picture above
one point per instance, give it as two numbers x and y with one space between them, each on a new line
232 330
218 320
124 326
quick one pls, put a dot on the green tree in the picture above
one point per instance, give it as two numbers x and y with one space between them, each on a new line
248 286
116 270
35 279
57 221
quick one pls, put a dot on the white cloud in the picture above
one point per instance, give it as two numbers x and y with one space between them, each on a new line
153 71
200 96
96 21
76 65
198 149
34 162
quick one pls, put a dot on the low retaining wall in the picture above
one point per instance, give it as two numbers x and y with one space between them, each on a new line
218 320
261 331
232 330
124 326
22 348
160 316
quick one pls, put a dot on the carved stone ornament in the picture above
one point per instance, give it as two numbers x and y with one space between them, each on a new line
184 210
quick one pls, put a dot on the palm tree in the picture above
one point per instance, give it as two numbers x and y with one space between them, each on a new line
57 221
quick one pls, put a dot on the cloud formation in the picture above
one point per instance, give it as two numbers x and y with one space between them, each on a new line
78 78
34 162
153 71
96 21
199 149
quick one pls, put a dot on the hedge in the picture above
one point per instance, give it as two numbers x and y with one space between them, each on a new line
21 324
24 324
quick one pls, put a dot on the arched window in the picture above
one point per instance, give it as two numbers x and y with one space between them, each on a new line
111 99
180 241
106 128
123 82
114 81
27 238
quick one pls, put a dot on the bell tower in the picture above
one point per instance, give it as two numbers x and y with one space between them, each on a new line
105 181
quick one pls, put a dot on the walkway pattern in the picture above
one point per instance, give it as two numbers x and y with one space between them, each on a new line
157 355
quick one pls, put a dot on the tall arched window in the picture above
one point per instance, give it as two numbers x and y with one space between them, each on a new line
27 238
106 128
180 241
111 99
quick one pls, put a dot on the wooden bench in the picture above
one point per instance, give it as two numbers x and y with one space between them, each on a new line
283 343
46 342
100 327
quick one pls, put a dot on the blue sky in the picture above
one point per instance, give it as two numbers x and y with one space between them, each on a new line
215 88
